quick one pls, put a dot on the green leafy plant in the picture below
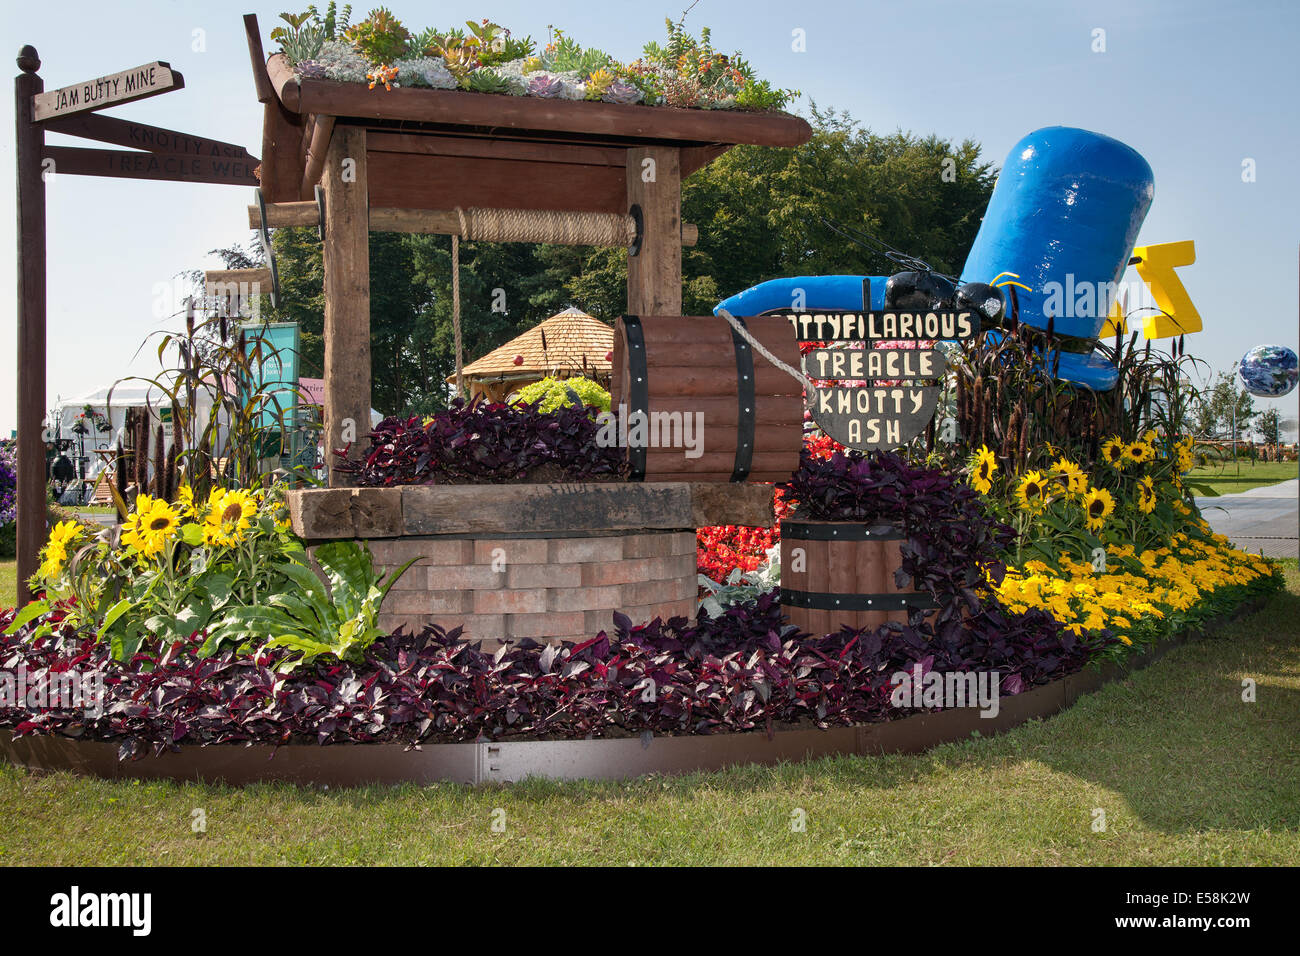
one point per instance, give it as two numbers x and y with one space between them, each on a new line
302 38
380 37
555 393
311 621
740 586
335 21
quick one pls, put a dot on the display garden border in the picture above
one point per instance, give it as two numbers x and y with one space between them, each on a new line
615 758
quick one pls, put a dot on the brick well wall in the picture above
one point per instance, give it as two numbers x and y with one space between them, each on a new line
558 588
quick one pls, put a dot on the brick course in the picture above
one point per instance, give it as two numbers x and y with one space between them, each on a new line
545 588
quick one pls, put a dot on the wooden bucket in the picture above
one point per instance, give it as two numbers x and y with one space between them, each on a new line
845 577
746 412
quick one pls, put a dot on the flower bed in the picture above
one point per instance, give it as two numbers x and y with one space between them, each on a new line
485 57
742 671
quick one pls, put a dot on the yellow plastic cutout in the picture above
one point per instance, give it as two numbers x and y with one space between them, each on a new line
1157 269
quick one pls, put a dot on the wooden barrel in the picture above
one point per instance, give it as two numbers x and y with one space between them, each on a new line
746 414
844 577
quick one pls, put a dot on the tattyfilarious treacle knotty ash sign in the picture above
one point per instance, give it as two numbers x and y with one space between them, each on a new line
900 387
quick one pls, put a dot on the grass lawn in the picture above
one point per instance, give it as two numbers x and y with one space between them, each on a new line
1224 479
8 582
1185 772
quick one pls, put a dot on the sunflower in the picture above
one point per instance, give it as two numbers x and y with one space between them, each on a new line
984 465
1146 495
185 499
147 531
1097 506
1069 477
1139 452
229 515
1112 452
55 554
1032 492
65 532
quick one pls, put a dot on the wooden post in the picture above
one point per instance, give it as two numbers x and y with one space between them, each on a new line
347 296
31 321
654 275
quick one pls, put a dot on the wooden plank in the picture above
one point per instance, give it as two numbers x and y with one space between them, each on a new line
409 180
347 297
169 167
139 82
152 139
31 251
483 148
654 275
645 124
253 34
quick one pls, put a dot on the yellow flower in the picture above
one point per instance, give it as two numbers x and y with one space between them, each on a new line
1097 506
64 533
1070 477
985 464
1032 492
147 531
1112 452
1146 495
1139 452
185 499
229 515
54 554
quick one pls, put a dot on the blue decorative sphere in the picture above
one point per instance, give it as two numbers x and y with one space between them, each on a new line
1270 371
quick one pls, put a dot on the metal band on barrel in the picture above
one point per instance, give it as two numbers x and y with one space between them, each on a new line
638 392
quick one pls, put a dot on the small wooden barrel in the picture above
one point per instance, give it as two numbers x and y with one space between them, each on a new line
746 414
845 577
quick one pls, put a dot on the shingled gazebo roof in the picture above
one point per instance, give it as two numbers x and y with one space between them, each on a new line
571 336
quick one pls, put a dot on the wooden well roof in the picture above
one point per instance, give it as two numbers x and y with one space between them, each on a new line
571 337
440 149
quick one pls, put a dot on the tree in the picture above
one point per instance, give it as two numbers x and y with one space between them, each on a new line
1213 412
1270 426
761 215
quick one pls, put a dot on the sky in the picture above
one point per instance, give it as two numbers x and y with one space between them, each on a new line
1197 88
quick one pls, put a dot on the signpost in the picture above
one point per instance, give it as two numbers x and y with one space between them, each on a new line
159 154
112 90
901 387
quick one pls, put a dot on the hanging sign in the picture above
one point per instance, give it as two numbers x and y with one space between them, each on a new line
134 84
272 350
900 387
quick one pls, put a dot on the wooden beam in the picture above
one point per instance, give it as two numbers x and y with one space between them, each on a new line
169 167
280 172
455 107
654 275
318 144
31 321
152 139
482 148
413 221
347 297
282 79
253 34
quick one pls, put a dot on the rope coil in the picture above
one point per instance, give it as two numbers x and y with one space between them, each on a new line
546 226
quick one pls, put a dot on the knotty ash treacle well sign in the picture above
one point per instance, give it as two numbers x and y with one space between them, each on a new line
901 386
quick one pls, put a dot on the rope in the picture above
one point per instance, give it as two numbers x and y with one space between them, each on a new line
455 314
761 349
544 225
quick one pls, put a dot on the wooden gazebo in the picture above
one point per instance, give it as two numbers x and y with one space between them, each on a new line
482 166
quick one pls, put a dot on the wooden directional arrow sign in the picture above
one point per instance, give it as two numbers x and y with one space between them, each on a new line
134 84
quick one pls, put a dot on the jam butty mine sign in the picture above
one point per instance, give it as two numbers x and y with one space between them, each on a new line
900 386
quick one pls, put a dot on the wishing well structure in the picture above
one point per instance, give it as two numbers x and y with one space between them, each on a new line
504 561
